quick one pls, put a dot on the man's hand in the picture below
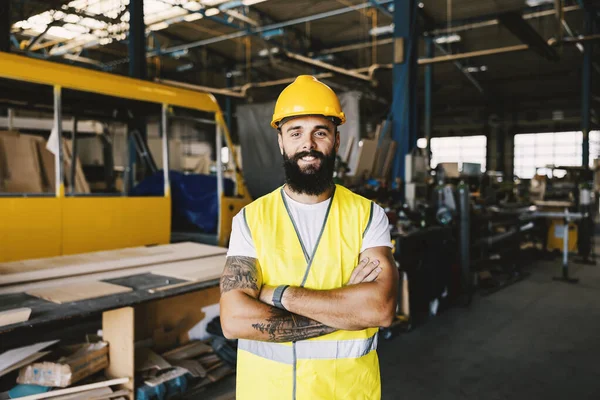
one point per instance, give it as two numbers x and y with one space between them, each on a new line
366 271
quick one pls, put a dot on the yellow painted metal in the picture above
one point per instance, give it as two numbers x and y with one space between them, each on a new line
68 77
242 190
44 227
555 236
105 223
30 228
230 206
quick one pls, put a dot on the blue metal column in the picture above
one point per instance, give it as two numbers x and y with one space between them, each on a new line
228 115
137 40
586 97
137 69
429 53
5 26
404 122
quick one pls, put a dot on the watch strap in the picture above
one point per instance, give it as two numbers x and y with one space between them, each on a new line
278 295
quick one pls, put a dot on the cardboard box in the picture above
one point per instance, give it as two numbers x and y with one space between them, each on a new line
81 361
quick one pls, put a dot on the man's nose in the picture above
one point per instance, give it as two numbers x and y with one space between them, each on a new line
309 143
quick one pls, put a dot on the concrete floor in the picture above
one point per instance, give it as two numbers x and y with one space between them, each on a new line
537 339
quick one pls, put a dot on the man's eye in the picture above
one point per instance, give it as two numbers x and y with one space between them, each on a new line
321 133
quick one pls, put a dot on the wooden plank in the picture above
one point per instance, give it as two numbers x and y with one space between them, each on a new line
14 356
178 314
20 288
203 269
14 316
81 264
26 361
366 158
78 291
118 327
88 395
389 159
173 286
76 389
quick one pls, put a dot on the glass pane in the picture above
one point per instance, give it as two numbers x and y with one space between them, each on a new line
26 121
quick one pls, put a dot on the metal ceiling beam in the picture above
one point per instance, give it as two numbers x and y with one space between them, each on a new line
252 31
5 26
382 8
515 23
492 20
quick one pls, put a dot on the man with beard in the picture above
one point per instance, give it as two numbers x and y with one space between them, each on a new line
309 275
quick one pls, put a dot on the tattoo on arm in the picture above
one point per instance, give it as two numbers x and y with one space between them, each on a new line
240 273
283 326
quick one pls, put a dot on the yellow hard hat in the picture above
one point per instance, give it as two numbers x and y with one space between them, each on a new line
307 96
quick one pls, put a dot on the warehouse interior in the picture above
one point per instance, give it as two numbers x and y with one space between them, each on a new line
132 132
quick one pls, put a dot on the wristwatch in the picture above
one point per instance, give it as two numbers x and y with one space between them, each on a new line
278 294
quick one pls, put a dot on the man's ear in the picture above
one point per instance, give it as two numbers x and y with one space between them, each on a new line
337 140
280 141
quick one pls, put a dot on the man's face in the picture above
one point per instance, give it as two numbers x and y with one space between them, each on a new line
309 146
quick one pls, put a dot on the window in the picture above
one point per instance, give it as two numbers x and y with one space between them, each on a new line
459 149
535 150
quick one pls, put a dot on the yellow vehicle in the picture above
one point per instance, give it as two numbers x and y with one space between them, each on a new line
61 220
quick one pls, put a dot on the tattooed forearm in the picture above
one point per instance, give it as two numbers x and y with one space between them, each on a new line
283 326
239 273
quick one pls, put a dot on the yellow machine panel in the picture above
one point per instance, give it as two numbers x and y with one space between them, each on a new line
106 223
31 227
555 236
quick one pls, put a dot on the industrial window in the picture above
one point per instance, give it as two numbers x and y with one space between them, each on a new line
459 149
536 150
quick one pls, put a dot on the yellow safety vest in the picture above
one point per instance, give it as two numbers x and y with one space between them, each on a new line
340 365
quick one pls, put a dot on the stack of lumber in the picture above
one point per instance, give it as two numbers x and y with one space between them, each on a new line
72 277
27 166
375 155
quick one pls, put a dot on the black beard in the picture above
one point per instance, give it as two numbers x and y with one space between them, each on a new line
312 181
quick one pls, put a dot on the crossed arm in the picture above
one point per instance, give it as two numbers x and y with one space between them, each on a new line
369 300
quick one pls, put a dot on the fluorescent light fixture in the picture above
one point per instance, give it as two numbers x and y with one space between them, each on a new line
422 143
211 12
60 32
71 18
193 17
252 2
473 70
447 39
265 52
382 30
535 3
192 6
158 26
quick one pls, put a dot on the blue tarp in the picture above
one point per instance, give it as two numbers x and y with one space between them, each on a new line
194 197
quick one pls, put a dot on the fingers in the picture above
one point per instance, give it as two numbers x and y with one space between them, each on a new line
362 271
359 267
373 275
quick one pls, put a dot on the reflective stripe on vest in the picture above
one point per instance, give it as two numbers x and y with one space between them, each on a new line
310 349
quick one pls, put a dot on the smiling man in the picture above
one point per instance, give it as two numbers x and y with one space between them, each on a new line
309 276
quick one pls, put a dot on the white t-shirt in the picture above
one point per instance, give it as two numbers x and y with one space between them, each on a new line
309 220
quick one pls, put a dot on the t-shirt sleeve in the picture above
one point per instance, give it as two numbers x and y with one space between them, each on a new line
241 243
378 231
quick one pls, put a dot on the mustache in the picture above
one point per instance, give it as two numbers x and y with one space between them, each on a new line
311 153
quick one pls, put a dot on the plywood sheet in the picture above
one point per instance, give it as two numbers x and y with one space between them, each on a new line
78 291
89 263
48 167
24 362
204 269
14 316
366 158
21 160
